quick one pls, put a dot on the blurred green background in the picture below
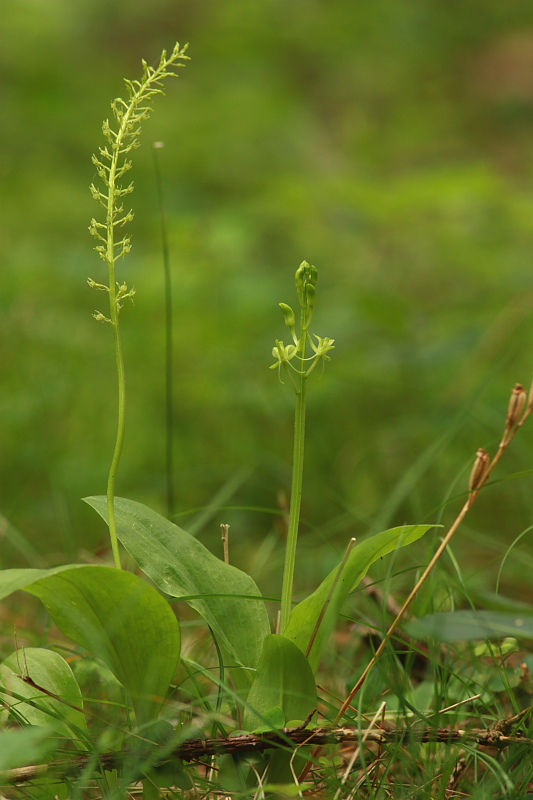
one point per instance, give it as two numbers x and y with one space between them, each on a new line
390 144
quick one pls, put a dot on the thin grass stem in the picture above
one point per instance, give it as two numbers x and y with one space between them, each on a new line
169 343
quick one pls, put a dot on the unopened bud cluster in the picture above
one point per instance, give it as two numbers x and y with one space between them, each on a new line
306 278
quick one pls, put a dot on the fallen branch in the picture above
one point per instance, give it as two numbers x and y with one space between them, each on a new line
196 749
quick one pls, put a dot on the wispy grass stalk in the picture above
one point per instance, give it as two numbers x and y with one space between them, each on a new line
169 342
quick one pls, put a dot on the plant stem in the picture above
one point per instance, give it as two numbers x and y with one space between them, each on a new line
121 424
297 480
119 358
121 419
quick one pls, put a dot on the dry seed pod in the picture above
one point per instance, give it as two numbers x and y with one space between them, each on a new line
516 406
479 469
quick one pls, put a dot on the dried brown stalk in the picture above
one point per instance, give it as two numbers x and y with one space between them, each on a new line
196 749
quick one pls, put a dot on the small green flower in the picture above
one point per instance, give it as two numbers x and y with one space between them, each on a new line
99 317
101 287
283 355
323 346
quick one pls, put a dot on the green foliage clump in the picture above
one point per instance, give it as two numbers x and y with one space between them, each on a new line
253 702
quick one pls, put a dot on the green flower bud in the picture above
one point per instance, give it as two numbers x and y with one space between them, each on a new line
301 274
288 313
310 296
305 274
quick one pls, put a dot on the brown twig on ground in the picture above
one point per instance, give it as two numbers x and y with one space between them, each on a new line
196 749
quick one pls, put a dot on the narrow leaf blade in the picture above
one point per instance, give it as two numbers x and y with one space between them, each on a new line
462 626
305 623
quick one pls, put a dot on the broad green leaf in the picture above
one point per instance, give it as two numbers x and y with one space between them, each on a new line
47 669
316 616
115 615
284 680
273 719
182 567
498 602
151 753
13 579
457 626
283 691
20 748
122 619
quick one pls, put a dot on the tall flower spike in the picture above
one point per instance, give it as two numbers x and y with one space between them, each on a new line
111 165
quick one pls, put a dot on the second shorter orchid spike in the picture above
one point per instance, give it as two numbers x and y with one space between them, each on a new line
479 470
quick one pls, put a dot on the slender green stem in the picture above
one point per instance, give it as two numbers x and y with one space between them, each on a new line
297 481
119 358
121 425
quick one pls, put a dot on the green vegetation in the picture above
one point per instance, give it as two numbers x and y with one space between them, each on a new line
390 145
